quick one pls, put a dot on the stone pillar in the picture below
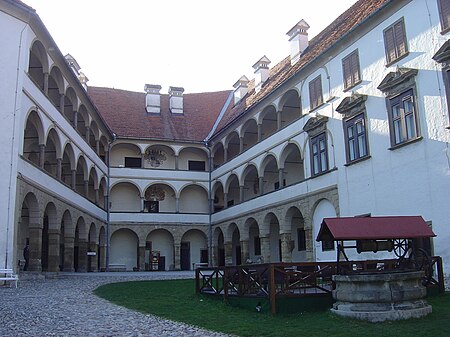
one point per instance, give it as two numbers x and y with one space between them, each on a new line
58 168
75 119
102 255
261 185
142 204
177 257
259 132
280 177
92 260
244 251
35 233
82 255
225 154
177 205
228 253
225 200
86 188
61 104
177 162
97 147
241 144
241 194
41 155
53 250
74 180
68 253
88 134
141 264
142 160
278 120
46 84
214 257
286 248
265 248
97 196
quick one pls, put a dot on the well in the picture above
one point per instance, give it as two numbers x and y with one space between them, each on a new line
378 297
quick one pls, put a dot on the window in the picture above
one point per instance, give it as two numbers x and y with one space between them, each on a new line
350 69
444 12
402 118
315 92
195 165
301 239
133 162
257 242
395 41
319 156
356 138
327 245
151 206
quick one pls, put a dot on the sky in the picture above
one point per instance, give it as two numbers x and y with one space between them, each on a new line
200 45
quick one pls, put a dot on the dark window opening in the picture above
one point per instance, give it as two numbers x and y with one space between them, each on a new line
257 242
195 165
133 162
327 245
151 206
301 239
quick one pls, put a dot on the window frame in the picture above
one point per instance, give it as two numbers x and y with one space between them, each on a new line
348 72
396 42
315 93
352 122
401 120
444 28
322 167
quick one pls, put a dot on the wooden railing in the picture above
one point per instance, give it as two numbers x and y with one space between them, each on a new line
280 280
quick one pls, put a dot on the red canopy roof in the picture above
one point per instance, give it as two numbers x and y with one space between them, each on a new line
374 228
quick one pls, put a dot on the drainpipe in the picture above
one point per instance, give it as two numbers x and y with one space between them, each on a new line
108 216
210 205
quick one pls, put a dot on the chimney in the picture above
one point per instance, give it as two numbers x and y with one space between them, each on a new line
262 72
152 98
240 88
176 100
298 38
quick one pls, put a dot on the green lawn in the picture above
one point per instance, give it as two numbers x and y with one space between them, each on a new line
176 300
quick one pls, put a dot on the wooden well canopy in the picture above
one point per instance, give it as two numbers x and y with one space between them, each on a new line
374 228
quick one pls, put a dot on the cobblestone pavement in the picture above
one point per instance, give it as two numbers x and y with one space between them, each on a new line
66 306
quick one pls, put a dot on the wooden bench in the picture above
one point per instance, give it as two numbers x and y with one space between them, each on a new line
7 275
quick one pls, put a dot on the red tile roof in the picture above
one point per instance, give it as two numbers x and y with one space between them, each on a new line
337 30
125 113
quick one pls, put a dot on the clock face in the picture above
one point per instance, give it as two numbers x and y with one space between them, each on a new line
155 157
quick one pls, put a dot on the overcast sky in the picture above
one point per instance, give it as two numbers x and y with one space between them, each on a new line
201 45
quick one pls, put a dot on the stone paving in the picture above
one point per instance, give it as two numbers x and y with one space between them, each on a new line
66 306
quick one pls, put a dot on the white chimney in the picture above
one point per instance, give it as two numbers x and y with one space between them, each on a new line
261 71
298 37
176 100
240 88
153 98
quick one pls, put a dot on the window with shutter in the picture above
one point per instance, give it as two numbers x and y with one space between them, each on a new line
315 92
395 41
350 68
444 12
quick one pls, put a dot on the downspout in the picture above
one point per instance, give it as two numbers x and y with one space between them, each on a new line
210 206
8 219
108 211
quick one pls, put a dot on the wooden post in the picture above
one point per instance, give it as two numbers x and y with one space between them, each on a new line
225 283
272 289
197 281
440 271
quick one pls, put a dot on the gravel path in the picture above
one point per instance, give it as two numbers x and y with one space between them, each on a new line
66 306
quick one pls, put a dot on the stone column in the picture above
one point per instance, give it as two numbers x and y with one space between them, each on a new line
35 233
228 253
142 160
102 254
46 84
142 204
244 251
86 188
286 249
88 134
261 185
82 255
278 120
259 132
97 147
97 196
68 253
75 119
53 250
214 257
41 155
177 256
74 180
58 168
225 200
265 248
241 144
280 177
61 104
177 205
241 194
93 259
225 154
177 162
141 264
